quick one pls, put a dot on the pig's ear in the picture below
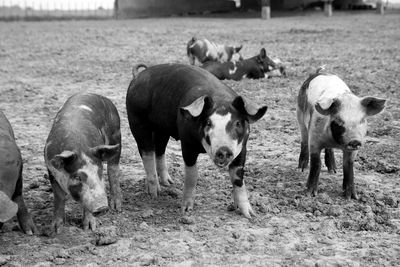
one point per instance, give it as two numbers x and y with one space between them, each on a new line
64 158
327 106
105 152
238 48
373 105
263 53
196 107
253 112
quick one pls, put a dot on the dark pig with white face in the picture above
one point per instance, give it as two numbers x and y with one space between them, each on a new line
86 132
191 105
11 200
331 116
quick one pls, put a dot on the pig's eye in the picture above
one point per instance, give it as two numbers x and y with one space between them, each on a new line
339 122
76 177
208 123
239 124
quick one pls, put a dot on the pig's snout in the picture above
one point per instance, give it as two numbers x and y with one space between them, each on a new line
223 156
100 211
353 145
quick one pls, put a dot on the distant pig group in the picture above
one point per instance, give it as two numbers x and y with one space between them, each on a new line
190 104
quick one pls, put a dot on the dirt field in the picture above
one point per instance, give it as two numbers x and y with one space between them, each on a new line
43 63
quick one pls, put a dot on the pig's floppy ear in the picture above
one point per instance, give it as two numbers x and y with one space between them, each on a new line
197 106
252 112
263 53
64 158
104 152
373 105
238 48
328 106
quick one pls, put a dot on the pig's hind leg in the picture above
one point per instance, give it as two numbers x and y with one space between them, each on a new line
315 168
330 160
161 142
304 152
59 204
144 136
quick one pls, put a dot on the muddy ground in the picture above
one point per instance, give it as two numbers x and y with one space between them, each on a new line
43 63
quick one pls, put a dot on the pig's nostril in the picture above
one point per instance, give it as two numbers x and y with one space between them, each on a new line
224 153
354 144
100 211
220 155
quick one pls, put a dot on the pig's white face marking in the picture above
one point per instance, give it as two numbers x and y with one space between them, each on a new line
93 192
352 118
231 72
216 136
85 108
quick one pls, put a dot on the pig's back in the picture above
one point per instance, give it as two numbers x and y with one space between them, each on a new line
161 90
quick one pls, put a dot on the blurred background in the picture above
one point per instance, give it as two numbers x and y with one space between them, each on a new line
122 9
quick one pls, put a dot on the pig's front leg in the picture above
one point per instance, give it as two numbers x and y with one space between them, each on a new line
348 174
315 168
191 176
240 197
59 205
115 189
24 218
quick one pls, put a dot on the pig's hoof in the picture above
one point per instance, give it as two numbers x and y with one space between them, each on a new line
166 181
28 226
153 188
246 210
311 192
187 205
303 164
116 202
89 222
350 194
57 225
331 170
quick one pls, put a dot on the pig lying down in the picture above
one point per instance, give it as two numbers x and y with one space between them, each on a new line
11 200
203 50
331 116
85 132
253 68
190 105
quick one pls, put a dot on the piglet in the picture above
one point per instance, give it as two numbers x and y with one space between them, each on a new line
331 116
85 132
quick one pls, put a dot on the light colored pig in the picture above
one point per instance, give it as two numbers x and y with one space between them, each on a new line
331 116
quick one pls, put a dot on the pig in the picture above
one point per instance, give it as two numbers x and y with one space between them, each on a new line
203 50
191 105
331 116
252 68
11 199
85 133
